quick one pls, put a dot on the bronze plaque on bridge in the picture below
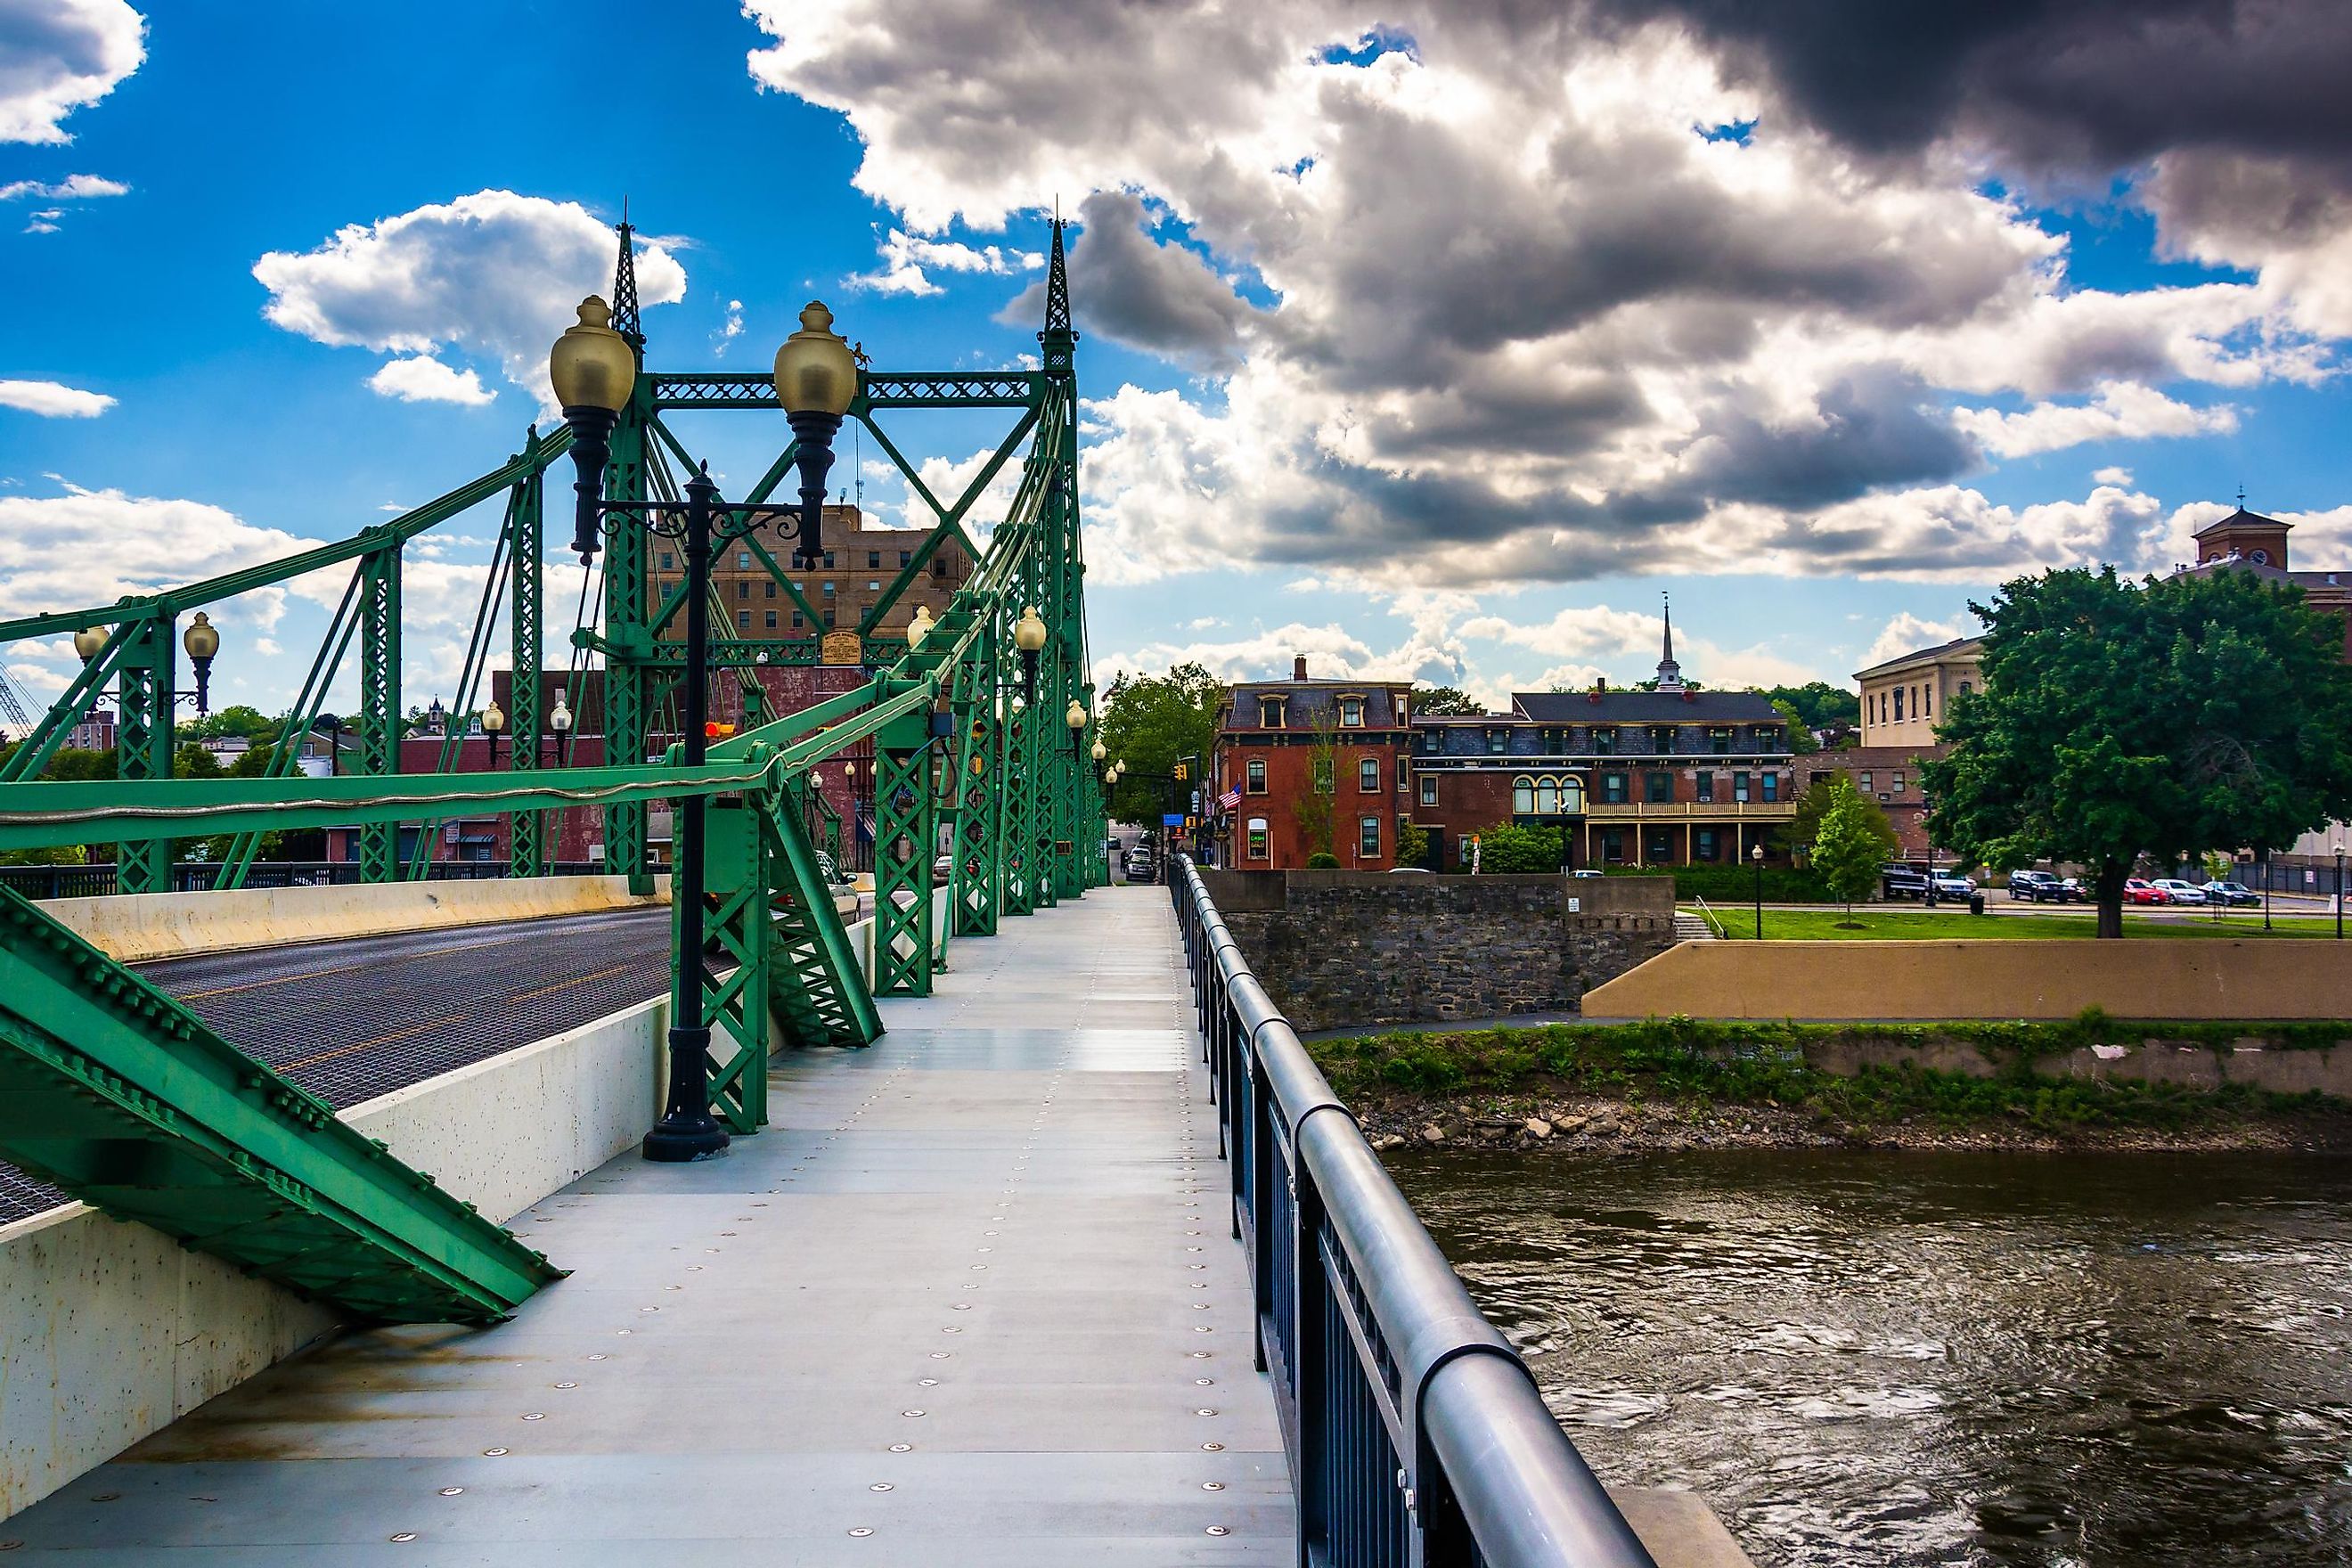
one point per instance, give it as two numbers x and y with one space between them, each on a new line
840 647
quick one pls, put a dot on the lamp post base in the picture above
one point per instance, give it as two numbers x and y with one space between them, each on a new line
687 1130
676 1139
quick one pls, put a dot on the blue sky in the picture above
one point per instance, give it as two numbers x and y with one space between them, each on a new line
1412 344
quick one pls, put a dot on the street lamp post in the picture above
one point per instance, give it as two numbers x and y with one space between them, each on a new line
1029 636
1756 856
559 725
1075 716
2339 891
593 369
494 723
816 380
202 642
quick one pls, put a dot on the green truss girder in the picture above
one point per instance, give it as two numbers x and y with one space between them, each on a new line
904 835
118 1094
816 987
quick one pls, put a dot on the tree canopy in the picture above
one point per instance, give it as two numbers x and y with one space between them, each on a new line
1438 701
1151 721
1816 705
2165 717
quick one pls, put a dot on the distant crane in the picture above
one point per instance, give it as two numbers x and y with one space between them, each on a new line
12 708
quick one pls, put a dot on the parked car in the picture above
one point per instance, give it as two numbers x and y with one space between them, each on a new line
2037 887
2219 892
1585 872
942 868
2140 891
1138 866
2177 891
1901 882
1413 871
1953 885
2072 890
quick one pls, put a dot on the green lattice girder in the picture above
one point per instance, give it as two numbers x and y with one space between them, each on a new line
905 832
118 1094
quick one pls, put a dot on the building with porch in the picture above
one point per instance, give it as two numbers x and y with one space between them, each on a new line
1666 776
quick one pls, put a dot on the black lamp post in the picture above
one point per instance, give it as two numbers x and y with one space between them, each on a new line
1075 716
1029 638
202 642
559 727
494 724
2339 891
593 368
816 381
590 375
1756 856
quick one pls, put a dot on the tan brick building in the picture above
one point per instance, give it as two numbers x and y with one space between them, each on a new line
856 569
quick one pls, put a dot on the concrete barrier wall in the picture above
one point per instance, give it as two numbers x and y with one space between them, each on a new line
2250 1061
2133 978
134 926
109 1330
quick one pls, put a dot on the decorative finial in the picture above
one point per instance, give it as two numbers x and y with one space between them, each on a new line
1058 295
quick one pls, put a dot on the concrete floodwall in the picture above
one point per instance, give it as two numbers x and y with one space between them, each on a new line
2180 978
109 1330
134 926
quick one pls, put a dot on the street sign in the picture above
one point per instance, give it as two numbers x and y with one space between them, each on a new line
1171 819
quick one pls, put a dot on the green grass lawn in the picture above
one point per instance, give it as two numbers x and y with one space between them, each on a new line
1883 924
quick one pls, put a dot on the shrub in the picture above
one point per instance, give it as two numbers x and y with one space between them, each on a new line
1319 861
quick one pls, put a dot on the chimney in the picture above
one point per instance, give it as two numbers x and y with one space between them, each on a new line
1299 667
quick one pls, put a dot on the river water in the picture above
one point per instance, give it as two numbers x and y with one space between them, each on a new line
1995 1359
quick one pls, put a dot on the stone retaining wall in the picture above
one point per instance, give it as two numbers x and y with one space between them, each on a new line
1341 949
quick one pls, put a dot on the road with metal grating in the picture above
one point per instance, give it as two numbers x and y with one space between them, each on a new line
352 1020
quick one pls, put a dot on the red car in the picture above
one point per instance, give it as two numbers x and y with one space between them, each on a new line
2137 890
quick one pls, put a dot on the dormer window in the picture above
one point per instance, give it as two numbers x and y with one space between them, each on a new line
1604 738
1718 739
1269 712
1351 712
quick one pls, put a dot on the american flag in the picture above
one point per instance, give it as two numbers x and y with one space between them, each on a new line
1230 799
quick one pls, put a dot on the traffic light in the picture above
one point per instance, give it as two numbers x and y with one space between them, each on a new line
1182 774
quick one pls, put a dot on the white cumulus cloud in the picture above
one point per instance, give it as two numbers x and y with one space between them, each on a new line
494 272
53 400
2123 411
73 188
424 379
57 56
905 256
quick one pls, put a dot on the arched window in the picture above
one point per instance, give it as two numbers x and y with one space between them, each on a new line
1523 797
1572 797
1546 797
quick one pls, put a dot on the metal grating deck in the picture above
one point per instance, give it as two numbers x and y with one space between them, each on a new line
352 1020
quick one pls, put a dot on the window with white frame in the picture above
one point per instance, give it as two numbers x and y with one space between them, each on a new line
1368 775
1351 712
1429 789
1255 839
1367 838
1257 775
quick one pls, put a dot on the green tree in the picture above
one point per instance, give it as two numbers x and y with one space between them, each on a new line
1852 843
1316 809
236 719
1507 848
1437 701
1800 736
1412 844
2117 719
1816 705
1151 721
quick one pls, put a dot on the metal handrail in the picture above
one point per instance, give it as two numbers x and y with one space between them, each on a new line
1714 921
1415 1434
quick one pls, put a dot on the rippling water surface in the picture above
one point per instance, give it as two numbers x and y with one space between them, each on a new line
1994 1359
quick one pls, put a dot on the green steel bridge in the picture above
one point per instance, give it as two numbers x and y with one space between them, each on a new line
1359 1411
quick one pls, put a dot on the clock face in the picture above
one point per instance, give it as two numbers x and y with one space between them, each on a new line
2259 558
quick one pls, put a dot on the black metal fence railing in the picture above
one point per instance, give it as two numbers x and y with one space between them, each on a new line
1415 1434
98 881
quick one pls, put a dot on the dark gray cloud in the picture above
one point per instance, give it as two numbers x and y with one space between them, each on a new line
2059 87
1139 291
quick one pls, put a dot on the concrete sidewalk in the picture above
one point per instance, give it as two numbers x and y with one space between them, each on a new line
969 1300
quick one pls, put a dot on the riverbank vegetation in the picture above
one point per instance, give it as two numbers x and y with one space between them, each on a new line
1683 1082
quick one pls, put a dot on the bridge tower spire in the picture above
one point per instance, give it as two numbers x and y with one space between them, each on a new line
1059 333
624 285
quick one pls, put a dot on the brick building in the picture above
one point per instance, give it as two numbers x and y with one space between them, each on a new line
1348 740
1665 777
1903 699
856 570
